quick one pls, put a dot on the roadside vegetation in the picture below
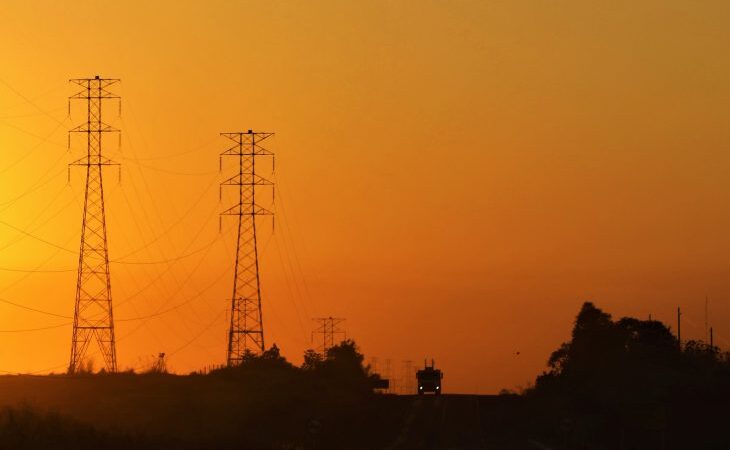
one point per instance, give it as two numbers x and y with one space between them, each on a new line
628 384
265 403
616 384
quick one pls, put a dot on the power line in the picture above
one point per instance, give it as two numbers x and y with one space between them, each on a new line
10 269
292 249
193 206
199 335
35 114
291 292
145 319
179 285
157 215
177 306
168 260
48 313
38 266
169 267
23 233
26 154
172 172
37 238
29 101
5 205
175 155
26 330
113 261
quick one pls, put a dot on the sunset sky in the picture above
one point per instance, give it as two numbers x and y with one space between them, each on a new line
453 177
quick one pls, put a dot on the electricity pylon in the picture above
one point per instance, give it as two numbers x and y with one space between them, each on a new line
408 385
246 332
328 327
93 318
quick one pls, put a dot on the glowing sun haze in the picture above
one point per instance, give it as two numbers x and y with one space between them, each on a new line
454 178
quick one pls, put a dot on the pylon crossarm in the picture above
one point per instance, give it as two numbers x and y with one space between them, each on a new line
246 210
85 161
238 180
257 151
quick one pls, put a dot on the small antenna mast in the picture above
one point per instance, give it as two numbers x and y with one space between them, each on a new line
707 329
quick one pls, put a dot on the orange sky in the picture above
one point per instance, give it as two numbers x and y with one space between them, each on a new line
454 178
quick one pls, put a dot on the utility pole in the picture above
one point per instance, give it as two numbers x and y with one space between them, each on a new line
707 331
712 340
679 327
328 327
93 318
246 331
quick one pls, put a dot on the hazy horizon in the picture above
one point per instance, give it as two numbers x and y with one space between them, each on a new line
453 178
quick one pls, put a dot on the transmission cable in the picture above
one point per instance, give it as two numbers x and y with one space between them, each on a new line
26 330
31 102
48 313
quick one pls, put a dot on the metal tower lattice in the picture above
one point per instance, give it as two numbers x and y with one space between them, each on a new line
328 327
246 332
93 318
408 384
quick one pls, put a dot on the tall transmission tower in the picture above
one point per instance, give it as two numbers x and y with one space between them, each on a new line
329 328
93 318
246 332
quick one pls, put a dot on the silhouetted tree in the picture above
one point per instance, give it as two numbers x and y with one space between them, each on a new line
312 360
345 358
268 359
343 365
631 375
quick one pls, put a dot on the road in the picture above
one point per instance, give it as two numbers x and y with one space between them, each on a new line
457 422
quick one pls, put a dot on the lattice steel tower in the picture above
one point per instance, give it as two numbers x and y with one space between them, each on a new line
328 327
246 333
93 318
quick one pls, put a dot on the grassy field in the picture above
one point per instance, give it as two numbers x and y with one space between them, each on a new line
252 410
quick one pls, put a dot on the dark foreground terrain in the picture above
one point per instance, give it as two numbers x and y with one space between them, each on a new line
624 384
163 411
463 422
184 412
264 403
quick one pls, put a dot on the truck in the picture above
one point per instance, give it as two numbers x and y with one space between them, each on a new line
429 379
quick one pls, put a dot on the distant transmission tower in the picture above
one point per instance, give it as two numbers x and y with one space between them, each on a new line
246 333
93 318
328 327
388 374
409 378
